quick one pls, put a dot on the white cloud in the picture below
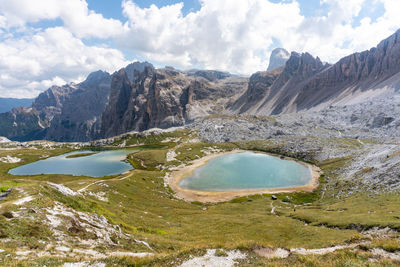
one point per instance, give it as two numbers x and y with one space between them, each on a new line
74 13
335 36
235 36
31 64
223 34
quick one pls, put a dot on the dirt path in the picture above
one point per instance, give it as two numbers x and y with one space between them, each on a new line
83 189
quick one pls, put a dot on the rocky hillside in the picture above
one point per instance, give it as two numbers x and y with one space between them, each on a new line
272 92
71 112
56 115
306 83
165 98
142 97
81 122
21 124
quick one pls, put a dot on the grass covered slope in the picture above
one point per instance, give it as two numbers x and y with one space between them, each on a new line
50 219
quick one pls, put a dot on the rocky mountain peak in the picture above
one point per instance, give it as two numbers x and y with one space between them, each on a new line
303 64
96 76
272 91
278 58
136 67
139 97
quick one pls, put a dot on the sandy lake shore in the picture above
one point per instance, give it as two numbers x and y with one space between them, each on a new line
173 178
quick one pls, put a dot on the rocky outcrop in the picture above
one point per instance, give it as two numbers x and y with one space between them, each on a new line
21 124
71 112
359 72
306 83
278 58
165 98
258 88
134 67
81 122
62 113
140 97
272 92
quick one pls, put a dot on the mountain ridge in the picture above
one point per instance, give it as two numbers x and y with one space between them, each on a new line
139 96
326 84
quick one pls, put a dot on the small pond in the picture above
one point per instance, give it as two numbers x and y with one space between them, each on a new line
247 170
101 163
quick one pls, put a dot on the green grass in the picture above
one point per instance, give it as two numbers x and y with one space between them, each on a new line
152 139
150 212
388 244
344 258
148 159
5 185
361 211
142 206
80 155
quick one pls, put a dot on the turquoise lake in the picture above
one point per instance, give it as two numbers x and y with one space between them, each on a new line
247 170
103 163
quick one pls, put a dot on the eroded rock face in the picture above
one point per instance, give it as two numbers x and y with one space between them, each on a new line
259 87
278 58
306 83
80 115
139 97
21 124
272 92
358 72
70 112
164 98
136 66
62 113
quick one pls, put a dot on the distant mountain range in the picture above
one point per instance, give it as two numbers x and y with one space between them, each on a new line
7 104
139 97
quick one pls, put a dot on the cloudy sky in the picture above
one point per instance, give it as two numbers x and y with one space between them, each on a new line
47 42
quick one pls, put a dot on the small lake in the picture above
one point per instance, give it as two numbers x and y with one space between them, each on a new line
247 170
103 163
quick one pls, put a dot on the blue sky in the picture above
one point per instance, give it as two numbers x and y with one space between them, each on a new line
110 9
53 42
